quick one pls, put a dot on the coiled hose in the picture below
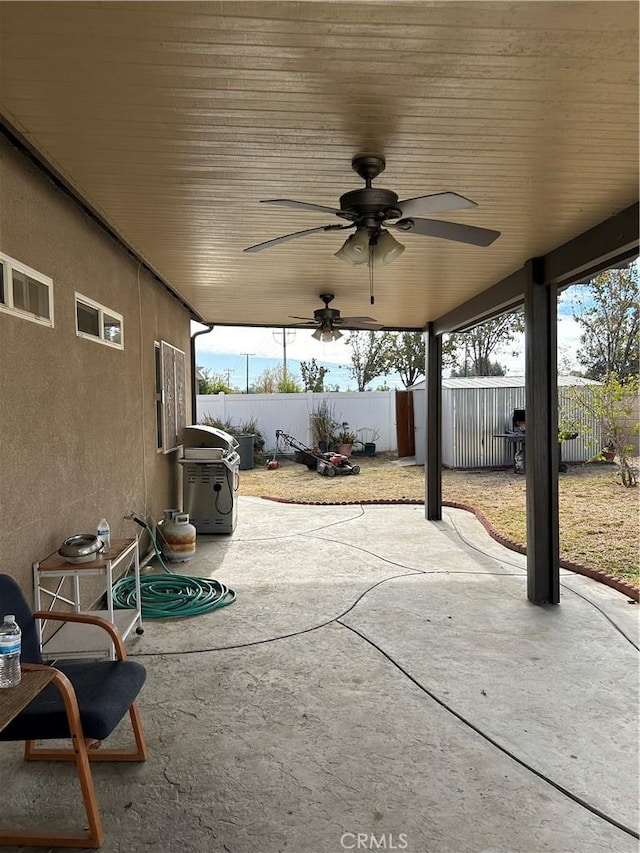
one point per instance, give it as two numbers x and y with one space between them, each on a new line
170 596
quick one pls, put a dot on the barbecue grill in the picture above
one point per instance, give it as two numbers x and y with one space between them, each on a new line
516 434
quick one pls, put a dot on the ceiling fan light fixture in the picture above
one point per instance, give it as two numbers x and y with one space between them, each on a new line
327 334
387 249
355 249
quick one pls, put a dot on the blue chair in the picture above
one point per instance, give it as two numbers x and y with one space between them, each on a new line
84 701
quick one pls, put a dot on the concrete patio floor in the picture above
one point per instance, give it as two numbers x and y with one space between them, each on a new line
381 683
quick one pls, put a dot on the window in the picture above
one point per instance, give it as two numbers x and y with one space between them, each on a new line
171 411
25 292
98 323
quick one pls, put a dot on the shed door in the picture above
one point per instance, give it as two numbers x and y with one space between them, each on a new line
405 433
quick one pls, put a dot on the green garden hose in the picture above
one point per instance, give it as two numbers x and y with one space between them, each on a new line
170 595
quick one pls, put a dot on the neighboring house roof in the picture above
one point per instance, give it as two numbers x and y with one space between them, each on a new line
499 382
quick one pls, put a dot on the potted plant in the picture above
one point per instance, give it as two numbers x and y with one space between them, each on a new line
608 452
345 439
323 424
368 440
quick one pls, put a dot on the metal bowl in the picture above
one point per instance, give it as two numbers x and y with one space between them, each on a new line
82 548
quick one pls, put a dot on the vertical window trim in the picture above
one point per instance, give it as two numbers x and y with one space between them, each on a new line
102 310
7 305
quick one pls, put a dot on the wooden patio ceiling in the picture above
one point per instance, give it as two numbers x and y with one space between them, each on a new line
172 121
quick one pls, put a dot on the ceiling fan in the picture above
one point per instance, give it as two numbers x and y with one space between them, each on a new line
327 320
371 211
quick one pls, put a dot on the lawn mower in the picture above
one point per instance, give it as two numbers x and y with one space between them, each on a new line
327 464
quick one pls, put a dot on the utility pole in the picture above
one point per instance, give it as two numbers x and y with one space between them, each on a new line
247 354
288 337
284 354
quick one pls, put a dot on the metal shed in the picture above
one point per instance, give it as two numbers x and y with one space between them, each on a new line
476 408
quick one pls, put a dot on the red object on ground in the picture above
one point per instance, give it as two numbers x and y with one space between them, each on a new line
272 465
337 458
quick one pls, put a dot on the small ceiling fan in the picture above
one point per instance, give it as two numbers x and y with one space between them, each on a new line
371 211
327 321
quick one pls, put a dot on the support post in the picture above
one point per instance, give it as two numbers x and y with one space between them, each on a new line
433 432
541 380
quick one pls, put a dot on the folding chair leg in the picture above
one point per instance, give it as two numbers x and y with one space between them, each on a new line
136 725
95 835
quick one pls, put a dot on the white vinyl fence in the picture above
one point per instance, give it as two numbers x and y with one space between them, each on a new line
366 412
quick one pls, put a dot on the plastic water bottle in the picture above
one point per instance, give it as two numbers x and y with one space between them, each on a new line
10 642
104 533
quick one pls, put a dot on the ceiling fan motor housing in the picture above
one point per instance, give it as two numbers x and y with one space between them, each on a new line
369 201
326 316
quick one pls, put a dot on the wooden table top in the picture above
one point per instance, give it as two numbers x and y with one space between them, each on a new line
14 699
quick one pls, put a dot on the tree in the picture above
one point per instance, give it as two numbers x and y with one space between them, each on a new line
449 351
313 375
213 383
275 381
369 356
406 355
491 368
607 311
477 345
613 405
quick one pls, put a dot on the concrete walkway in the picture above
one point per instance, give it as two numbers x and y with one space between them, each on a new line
380 683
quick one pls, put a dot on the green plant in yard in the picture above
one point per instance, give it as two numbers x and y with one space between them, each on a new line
346 435
225 426
613 404
323 423
249 427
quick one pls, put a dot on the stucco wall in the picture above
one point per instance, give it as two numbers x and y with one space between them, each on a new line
77 418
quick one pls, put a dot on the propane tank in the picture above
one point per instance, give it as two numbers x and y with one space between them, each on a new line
177 536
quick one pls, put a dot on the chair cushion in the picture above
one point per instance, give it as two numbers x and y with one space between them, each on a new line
104 689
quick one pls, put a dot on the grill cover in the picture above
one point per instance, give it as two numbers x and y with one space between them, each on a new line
199 435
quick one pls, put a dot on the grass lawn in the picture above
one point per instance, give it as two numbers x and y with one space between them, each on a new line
598 517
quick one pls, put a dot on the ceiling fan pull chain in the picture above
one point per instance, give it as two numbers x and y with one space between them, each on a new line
371 296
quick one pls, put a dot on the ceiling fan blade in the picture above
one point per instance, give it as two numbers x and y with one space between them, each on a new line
308 319
358 320
434 203
364 323
448 231
288 202
268 243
